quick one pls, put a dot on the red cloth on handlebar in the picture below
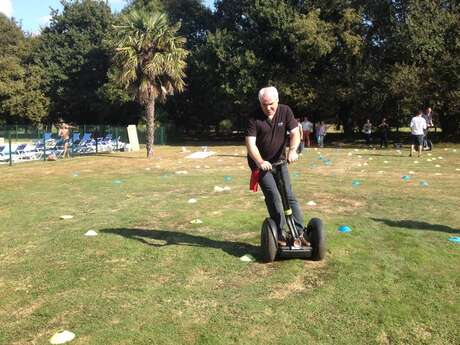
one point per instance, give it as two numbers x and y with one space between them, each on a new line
254 183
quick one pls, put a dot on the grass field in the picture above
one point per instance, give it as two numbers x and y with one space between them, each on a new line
153 277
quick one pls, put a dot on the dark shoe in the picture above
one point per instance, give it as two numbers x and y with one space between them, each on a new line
281 240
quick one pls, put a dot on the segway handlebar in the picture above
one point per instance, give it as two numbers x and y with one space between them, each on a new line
279 163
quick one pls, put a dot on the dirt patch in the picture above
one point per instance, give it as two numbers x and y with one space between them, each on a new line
262 334
382 339
203 231
335 204
200 277
281 291
261 270
28 310
53 326
241 236
315 265
417 334
200 308
34 339
310 280
422 332
117 261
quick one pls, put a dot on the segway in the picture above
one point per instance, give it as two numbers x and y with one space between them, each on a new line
310 244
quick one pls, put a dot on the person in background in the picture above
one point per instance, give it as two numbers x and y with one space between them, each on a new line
301 145
321 131
383 128
64 133
417 128
428 116
367 130
307 128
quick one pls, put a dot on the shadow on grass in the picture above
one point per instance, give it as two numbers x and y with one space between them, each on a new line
237 155
114 155
388 154
417 225
183 239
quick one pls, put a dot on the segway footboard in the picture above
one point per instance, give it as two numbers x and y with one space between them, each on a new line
295 253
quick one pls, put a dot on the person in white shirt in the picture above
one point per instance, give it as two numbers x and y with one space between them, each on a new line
307 128
417 128
367 130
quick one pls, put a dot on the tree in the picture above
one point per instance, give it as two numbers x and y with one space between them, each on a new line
259 43
445 82
196 19
419 62
71 53
192 108
21 83
149 61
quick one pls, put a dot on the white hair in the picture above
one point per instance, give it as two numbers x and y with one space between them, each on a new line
270 92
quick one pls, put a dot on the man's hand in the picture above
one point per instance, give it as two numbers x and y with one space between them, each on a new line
292 156
265 166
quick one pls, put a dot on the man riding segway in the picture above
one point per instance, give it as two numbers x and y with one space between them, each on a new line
266 145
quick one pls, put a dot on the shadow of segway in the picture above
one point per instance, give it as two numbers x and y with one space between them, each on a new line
416 225
168 238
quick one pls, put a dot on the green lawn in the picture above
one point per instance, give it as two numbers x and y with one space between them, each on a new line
153 277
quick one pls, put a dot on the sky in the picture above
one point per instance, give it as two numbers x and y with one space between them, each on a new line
35 14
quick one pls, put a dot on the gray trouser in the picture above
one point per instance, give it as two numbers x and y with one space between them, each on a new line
273 199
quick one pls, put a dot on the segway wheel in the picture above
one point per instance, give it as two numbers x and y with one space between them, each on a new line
317 237
268 240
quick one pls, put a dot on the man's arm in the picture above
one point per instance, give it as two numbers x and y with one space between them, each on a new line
294 141
430 121
294 136
255 154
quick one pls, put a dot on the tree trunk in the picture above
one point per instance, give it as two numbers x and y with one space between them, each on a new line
346 120
150 117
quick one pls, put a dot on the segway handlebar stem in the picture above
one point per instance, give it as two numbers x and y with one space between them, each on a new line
279 163
281 185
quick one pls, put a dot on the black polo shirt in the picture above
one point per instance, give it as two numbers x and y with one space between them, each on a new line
271 135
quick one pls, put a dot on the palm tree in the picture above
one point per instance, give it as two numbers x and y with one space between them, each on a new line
149 61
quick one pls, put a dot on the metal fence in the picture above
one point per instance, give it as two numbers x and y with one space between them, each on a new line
20 143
